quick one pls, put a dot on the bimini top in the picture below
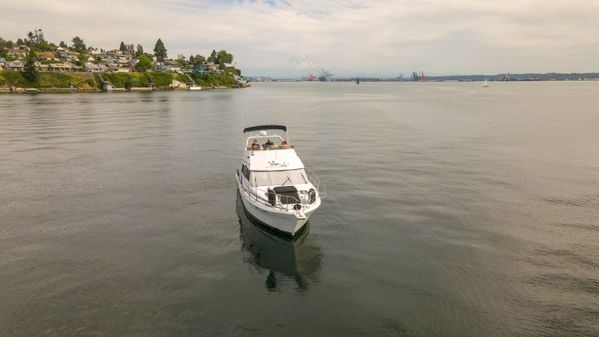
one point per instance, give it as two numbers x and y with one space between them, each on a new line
265 127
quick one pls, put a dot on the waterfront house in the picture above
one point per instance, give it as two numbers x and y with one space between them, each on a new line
207 68
42 67
200 69
161 67
60 67
95 68
15 65
212 67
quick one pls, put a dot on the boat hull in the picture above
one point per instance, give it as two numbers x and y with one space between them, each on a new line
285 224
288 224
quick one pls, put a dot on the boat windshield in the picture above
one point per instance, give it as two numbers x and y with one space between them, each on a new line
278 178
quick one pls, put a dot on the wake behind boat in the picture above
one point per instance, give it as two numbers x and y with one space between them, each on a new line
275 189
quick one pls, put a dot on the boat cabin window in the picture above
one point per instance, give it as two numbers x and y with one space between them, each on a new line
245 171
278 178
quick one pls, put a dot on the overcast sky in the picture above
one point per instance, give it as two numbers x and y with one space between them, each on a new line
346 37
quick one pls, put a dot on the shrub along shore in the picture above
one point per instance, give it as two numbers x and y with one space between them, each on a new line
14 81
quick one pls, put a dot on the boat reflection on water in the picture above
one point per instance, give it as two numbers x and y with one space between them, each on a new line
296 262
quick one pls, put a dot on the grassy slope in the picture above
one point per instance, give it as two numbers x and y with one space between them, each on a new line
47 80
88 80
209 80
138 79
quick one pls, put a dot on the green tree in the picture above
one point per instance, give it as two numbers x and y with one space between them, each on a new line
29 70
192 60
212 57
4 45
182 62
123 47
143 63
160 51
62 44
223 57
20 42
199 60
234 71
78 44
43 45
81 60
140 50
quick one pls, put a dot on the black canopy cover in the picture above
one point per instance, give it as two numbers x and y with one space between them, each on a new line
265 127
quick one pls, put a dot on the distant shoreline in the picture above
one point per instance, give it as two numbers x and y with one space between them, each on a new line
422 77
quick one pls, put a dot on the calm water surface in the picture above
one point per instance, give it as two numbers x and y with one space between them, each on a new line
451 210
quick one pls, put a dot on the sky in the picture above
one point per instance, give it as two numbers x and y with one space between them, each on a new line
288 38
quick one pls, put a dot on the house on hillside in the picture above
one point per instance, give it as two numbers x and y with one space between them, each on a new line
95 68
42 67
66 54
46 56
200 69
60 67
18 52
94 51
2 63
161 67
14 65
212 67
124 61
207 69
117 53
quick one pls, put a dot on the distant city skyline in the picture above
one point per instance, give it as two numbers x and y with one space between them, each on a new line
287 38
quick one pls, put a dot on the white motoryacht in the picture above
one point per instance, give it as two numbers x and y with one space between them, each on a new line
275 189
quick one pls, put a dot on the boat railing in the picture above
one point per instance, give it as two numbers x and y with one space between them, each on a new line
321 188
258 193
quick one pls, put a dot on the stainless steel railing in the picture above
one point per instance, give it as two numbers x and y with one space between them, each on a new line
258 194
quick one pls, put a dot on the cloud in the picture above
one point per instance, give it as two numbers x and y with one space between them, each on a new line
346 37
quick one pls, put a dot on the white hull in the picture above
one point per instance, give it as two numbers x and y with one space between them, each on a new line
288 223
195 88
